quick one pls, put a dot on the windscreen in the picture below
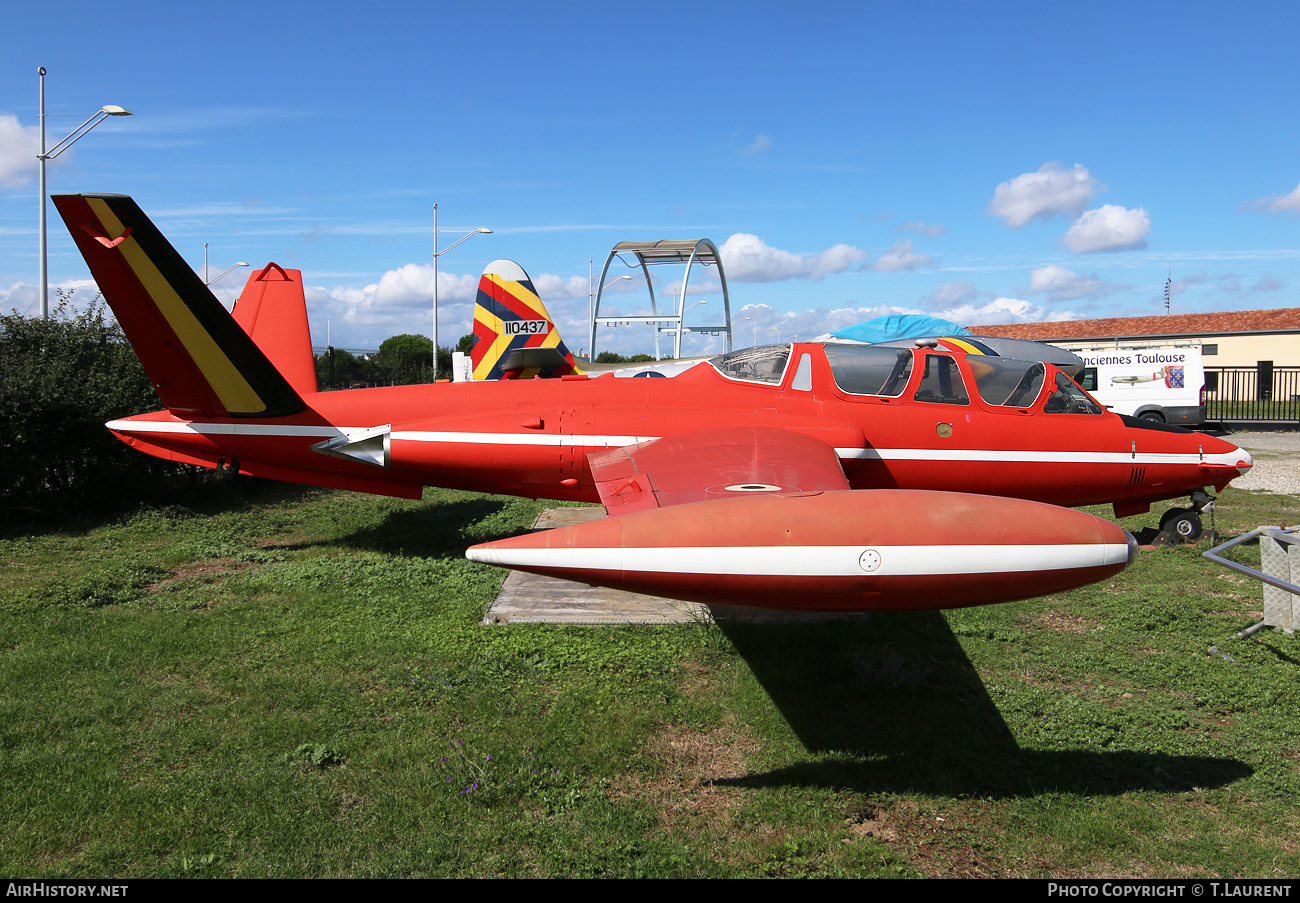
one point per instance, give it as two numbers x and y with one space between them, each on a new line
765 364
1068 398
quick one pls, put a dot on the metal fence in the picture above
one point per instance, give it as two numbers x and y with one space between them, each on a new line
1260 393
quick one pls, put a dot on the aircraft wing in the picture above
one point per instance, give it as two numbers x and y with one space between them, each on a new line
713 464
764 517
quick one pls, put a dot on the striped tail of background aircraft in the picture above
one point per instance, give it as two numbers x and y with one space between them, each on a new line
514 336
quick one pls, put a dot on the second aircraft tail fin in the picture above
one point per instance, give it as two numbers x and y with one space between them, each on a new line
509 317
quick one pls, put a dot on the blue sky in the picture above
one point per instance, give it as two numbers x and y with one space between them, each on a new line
987 162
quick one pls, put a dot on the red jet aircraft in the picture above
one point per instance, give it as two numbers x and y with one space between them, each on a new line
806 476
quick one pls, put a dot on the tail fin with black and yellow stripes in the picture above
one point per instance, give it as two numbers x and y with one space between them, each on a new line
514 336
201 363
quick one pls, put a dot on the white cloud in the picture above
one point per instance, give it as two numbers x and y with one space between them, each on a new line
1109 228
960 301
1052 191
747 258
806 324
551 286
25 299
1277 203
411 285
1002 310
951 294
1061 284
1178 286
19 297
902 256
760 144
19 145
1225 284
400 302
933 230
836 259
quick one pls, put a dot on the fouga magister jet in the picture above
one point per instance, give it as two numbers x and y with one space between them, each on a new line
805 476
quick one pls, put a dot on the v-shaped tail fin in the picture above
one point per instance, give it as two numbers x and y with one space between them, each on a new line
273 310
201 363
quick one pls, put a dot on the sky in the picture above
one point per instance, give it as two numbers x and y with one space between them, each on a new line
988 163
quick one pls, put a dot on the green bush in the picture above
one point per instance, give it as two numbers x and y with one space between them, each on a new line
61 379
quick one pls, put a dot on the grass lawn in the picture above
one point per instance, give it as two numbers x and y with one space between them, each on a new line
294 682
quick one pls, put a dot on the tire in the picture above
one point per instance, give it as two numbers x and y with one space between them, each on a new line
1154 416
1186 527
1173 514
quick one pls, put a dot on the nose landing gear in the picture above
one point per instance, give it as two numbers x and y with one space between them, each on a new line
1179 525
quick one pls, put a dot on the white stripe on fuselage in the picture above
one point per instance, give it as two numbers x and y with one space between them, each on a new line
563 440
1228 459
813 561
232 429
546 440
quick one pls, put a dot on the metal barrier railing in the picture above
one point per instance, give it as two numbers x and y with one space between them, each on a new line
1279 552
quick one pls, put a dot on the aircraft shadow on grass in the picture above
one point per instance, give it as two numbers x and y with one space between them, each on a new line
892 703
431 531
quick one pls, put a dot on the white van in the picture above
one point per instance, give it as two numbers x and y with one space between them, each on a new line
1161 384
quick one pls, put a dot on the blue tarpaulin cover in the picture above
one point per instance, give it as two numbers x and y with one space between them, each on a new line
900 326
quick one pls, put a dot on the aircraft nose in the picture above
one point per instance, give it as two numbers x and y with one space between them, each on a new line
1224 454
1245 461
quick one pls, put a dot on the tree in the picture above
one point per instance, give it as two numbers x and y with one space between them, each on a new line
406 359
610 357
406 350
350 370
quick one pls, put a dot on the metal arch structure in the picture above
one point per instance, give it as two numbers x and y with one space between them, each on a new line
646 254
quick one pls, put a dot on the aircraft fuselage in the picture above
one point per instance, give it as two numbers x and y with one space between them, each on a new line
532 437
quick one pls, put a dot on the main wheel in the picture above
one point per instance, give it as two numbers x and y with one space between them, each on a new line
1154 416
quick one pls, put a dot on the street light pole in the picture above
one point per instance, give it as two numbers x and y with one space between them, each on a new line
755 319
43 156
436 255
206 280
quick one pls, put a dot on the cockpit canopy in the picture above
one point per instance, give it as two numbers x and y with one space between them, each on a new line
876 370
764 364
